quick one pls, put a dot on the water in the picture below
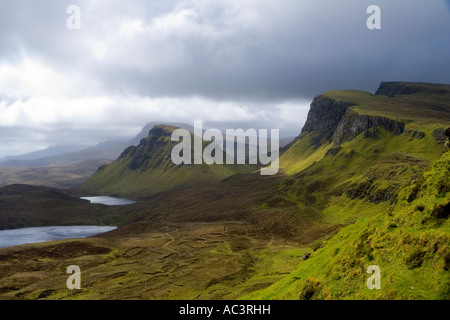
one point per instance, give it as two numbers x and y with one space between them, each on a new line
41 234
109 201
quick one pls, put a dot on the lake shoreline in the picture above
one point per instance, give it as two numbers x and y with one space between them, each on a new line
109 201
31 235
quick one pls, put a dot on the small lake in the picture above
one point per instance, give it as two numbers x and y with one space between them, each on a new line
41 234
109 201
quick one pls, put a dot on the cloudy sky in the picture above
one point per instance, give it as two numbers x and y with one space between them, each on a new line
230 63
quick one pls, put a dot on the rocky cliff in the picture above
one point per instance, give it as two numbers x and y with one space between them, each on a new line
336 121
324 117
153 151
353 124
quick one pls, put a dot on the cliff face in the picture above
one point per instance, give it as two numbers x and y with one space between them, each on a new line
324 117
325 114
152 152
332 120
353 124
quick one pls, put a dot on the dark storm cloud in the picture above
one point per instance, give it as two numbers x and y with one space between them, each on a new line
235 49
253 62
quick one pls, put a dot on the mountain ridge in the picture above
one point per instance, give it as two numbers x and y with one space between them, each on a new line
150 167
366 186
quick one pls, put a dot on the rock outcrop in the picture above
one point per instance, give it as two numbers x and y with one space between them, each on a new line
447 142
439 135
336 121
353 124
152 152
324 117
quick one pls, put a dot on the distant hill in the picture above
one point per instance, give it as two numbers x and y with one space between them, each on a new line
148 168
107 150
52 151
146 129
58 176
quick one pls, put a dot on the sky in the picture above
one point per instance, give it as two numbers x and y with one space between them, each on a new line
228 63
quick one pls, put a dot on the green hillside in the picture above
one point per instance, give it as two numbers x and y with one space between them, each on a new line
359 171
365 183
148 169
409 241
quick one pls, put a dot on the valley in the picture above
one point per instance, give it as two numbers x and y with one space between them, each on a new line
365 183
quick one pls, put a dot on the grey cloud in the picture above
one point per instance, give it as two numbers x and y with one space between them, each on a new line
290 49
253 52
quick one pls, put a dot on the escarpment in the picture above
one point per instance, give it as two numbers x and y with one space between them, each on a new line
324 117
353 124
338 121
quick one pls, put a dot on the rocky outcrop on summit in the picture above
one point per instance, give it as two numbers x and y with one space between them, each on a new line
152 152
353 124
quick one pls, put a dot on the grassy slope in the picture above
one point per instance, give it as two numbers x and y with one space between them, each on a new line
423 108
355 184
363 174
409 242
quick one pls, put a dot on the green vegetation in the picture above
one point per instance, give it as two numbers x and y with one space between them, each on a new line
366 185
409 241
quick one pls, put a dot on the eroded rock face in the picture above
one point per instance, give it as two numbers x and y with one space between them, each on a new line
439 135
447 134
353 124
152 152
325 113
335 121
324 117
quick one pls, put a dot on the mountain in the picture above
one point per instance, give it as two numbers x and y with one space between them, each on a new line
146 129
376 165
107 150
67 154
57 176
148 168
415 122
51 151
366 183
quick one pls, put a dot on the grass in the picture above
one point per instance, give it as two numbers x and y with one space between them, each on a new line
155 265
410 246
424 108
